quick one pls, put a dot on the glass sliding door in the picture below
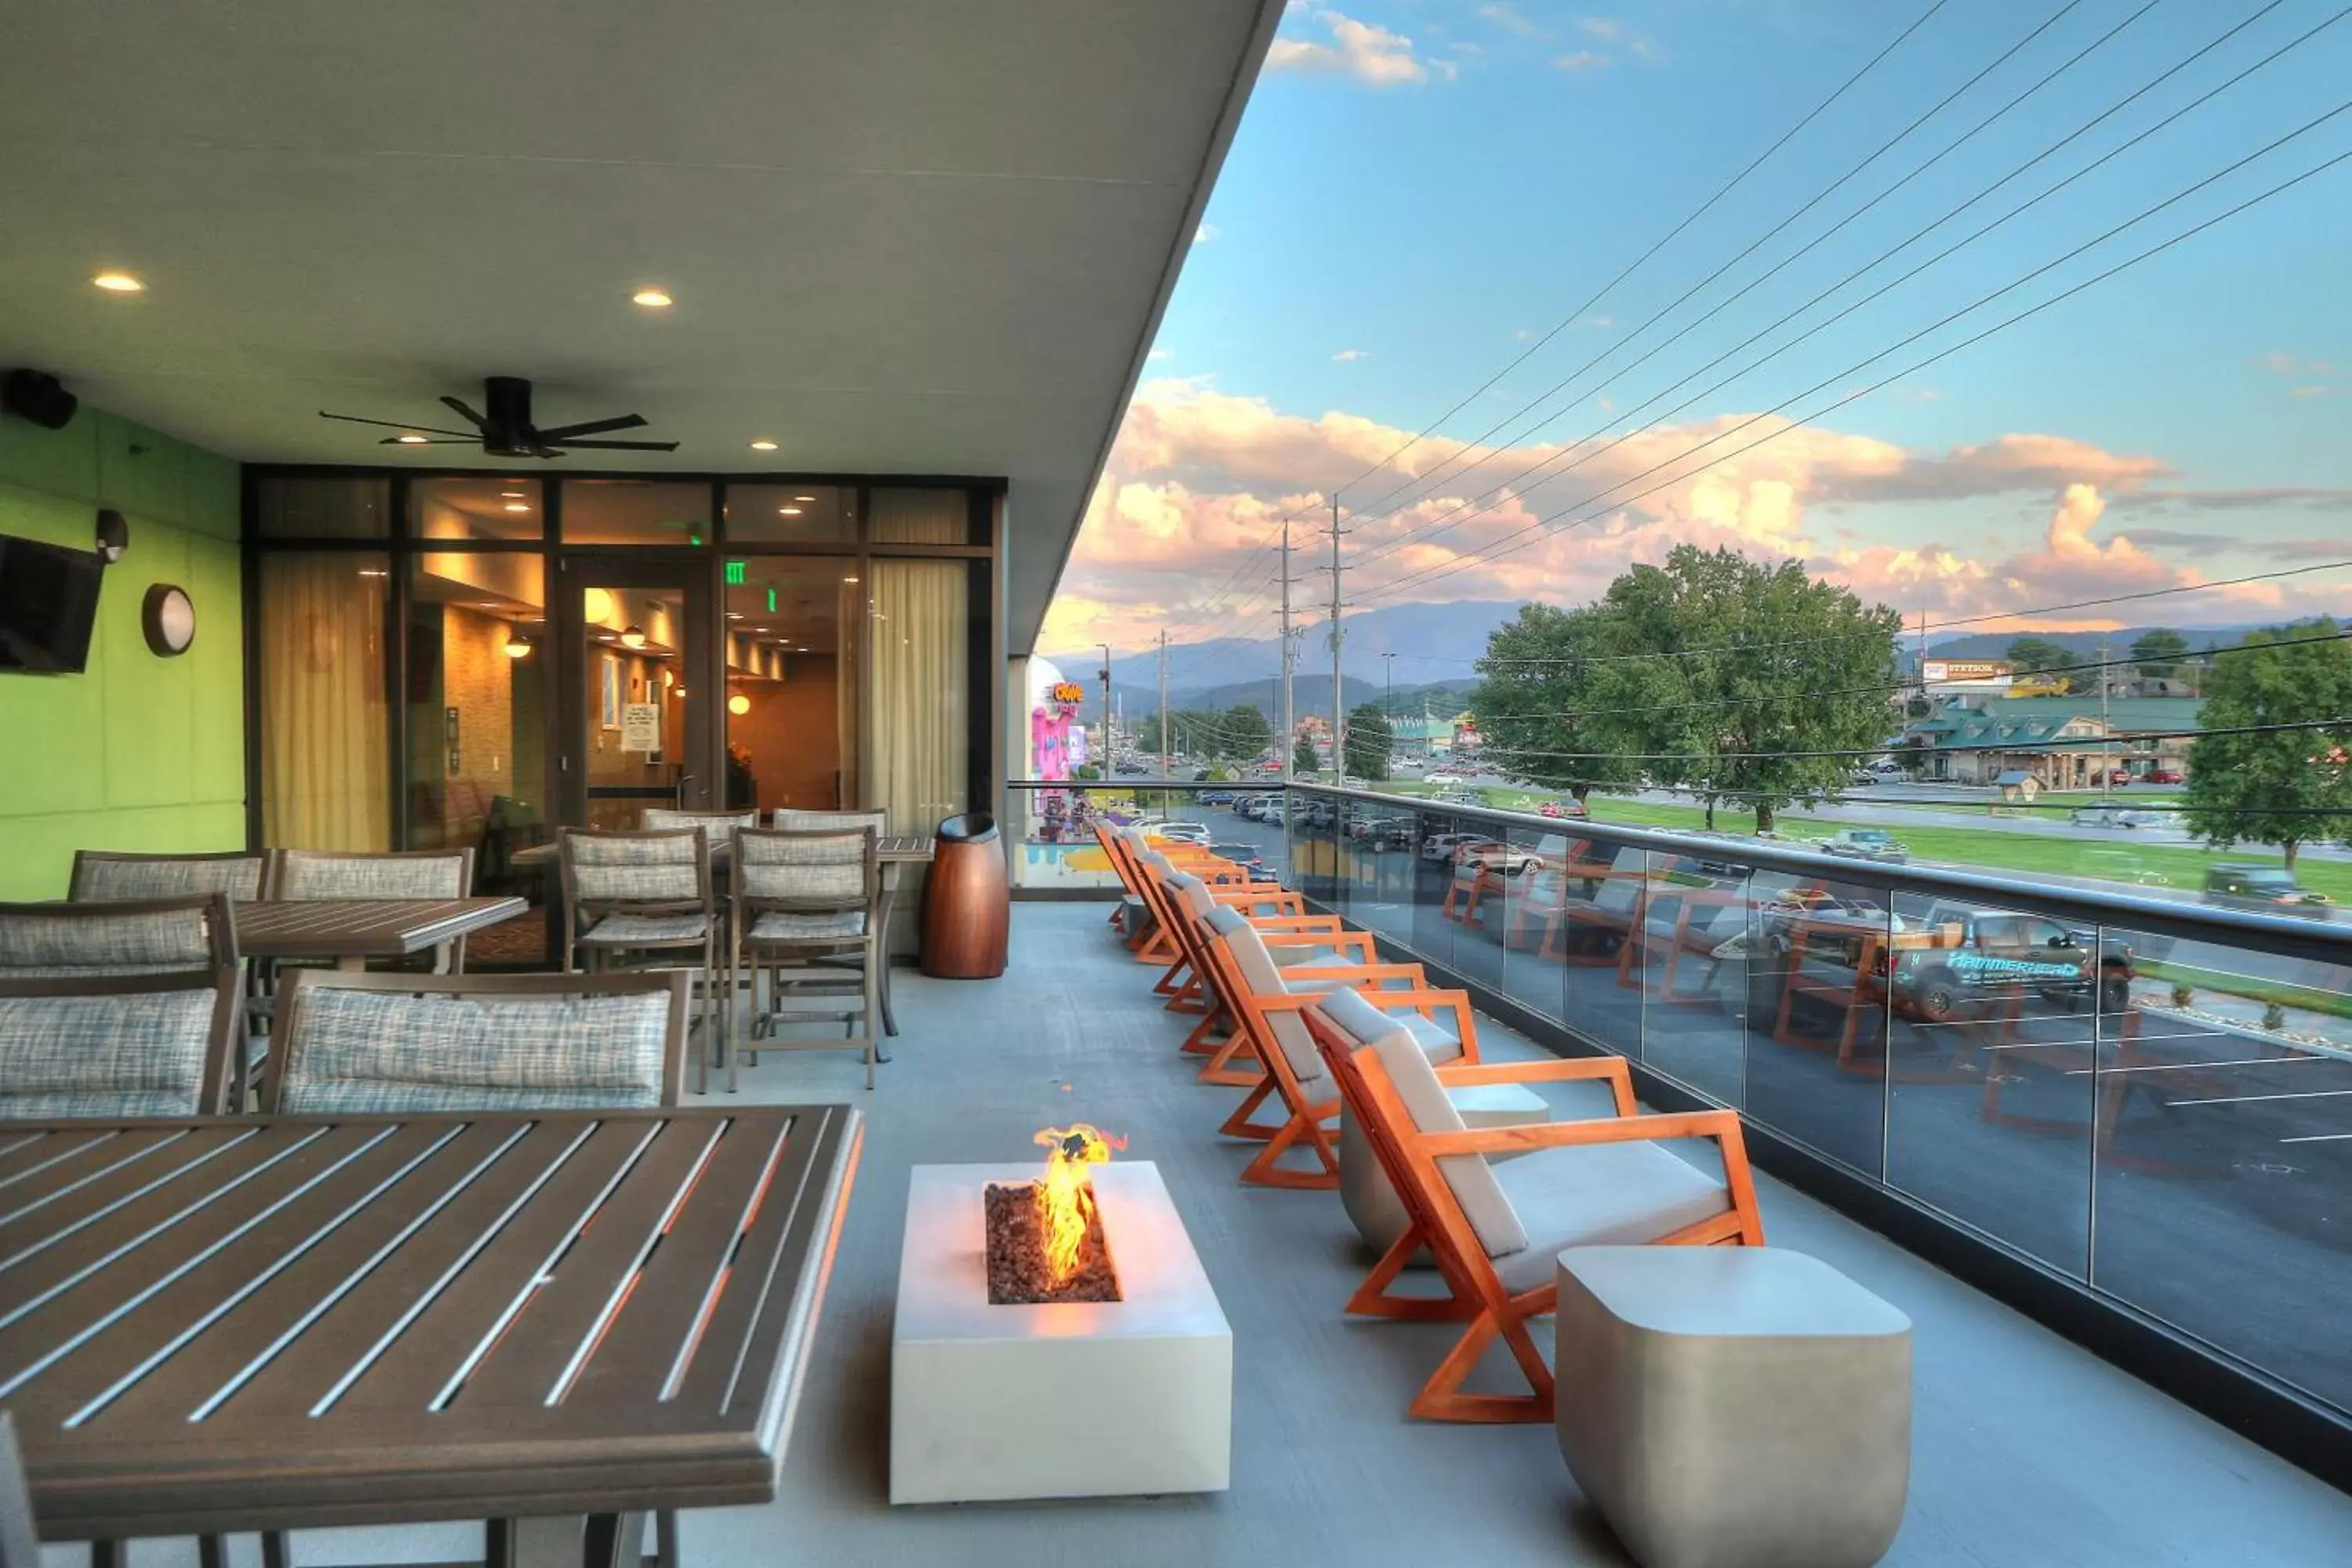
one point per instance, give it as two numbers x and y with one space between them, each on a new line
795 633
637 690
476 694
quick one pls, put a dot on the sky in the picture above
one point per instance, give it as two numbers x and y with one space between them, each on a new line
1509 278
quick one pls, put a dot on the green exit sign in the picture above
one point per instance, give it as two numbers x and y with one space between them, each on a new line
771 601
735 573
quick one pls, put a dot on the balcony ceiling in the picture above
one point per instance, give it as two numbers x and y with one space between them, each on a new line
918 237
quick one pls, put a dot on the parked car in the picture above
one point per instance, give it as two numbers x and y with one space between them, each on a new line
1133 769
1575 810
2163 776
1886 768
1861 778
1866 844
1441 845
1493 855
2116 776
1828 921
1249 857
1188 832
2115 816
1216 797
2003 954
2272 888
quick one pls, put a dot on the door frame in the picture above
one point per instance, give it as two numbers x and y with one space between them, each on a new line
692 576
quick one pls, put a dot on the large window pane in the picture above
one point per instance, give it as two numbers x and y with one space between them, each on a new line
476 701
791 514
486 507
919 670
792 696
323 508
636 511
922 517
324 741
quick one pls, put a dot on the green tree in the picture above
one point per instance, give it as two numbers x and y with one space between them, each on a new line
2275 788
2027 655
1371 742
1243 731
1303 759
1749 683
1534 706
2159 651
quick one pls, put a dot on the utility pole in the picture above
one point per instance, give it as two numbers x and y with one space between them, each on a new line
1286 742
1388 685
1164 703
1338 703
1103 762
2106 730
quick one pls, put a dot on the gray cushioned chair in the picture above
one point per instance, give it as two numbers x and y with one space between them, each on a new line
806 916
644 901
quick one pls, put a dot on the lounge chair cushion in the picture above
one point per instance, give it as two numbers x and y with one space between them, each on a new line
809 925
1436 1039
1262 977
1599 1195
1469 1177
618 931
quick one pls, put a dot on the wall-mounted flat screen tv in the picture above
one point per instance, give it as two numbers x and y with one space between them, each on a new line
49 604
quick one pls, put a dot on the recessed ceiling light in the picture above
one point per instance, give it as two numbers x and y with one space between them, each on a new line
651 299
514 495
763 446
410 440
518 505
734 615
804 497
119 283
788 511
849 579
759 628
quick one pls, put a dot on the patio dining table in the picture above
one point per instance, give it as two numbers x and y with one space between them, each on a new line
352 930
553 1322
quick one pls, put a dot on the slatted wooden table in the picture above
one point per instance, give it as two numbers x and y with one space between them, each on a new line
248 1323
352 930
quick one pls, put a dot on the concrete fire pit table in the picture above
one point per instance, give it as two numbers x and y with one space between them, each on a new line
1059 1399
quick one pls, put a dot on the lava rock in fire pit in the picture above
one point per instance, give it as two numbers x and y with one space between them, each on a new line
1018 1273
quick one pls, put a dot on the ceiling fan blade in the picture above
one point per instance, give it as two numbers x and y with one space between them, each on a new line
628 445
436 441
393 425
476 420
594 427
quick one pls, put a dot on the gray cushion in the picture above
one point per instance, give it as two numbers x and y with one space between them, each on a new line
1261 976
313 876
1468 1176
105 881
1601 1195
86 939
720 830
374 1051
792 821
827 870
140 1055
606 869
1365 1020
1286 956
615 930
807 925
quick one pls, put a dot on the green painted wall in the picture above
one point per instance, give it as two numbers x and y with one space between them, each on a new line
137 753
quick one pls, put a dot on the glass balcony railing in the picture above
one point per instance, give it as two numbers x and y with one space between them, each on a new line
2145 1096
1052 841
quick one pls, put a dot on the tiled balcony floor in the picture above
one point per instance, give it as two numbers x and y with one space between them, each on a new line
2027 1450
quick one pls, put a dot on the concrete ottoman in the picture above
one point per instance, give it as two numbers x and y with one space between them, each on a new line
1365 1191
1733 1406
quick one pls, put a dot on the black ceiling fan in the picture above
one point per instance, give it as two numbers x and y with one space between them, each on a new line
506 431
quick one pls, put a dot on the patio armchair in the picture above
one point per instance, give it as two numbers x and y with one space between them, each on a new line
1145 937
301 874
1497 1228
1179 982
720 824
126 1009
350 1044
1267 1002
1189 901
810 902
642 901
103 875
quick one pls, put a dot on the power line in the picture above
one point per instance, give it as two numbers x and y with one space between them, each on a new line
1428 477
1492 554
1454 518
2061 744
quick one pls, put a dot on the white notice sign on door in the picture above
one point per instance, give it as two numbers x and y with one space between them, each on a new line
641 726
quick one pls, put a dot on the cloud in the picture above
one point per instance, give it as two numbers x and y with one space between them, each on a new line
1520 335
2280 363
2248 499
1610 30
1581 61
1363 50
1347 356
1199 479
1208 233
1508 18
1158 354
2304 393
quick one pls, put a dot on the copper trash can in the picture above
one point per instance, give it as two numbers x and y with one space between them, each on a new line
967 907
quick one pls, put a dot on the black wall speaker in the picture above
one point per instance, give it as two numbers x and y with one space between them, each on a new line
113 535
40 397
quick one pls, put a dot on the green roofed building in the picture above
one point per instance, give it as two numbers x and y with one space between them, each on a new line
2062 741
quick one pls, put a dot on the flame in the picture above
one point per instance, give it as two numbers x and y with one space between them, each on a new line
1065 1198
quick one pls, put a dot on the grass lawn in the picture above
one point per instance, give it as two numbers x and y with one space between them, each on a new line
2248 987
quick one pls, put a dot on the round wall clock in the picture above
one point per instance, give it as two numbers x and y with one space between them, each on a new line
169 618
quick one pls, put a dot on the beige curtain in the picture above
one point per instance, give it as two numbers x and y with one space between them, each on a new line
919 678
325 757
919 517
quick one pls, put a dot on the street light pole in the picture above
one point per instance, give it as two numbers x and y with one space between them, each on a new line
1103 763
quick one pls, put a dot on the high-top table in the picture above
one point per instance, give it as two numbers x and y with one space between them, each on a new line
553 1322
352 930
